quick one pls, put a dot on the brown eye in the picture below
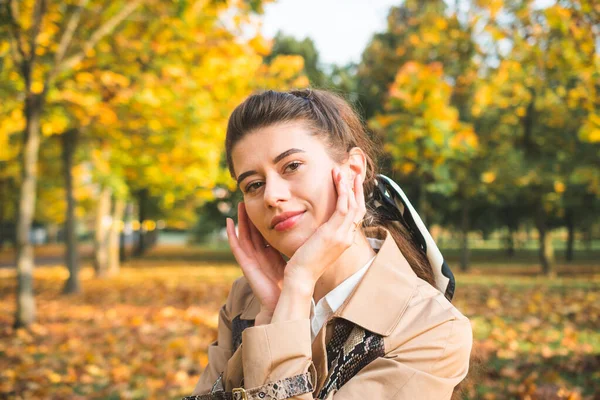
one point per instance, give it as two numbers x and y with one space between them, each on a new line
294 165
254 186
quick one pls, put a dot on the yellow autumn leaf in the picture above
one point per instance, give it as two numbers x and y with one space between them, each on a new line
37 87
493 303
488 177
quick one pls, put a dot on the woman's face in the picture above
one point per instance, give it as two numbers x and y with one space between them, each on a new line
285 172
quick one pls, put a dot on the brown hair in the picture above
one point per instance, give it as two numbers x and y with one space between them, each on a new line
333 120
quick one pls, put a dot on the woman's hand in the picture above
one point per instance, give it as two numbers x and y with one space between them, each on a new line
262 266
332 238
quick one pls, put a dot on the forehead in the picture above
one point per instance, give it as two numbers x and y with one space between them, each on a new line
263 145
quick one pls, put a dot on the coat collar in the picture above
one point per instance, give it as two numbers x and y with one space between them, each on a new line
381 297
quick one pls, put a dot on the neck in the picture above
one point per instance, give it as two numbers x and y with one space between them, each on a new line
351 260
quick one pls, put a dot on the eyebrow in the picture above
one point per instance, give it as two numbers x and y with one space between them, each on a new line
275 161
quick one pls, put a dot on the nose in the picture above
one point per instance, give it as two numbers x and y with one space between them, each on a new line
276 191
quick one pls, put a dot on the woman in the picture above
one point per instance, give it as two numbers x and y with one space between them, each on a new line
354 312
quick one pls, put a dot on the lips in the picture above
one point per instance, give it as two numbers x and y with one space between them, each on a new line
286 220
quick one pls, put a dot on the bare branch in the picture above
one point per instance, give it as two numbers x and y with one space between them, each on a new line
67 36
65 41
17 56
15 28
102 31
36 25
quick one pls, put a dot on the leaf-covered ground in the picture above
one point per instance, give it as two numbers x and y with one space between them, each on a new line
535 338
143 334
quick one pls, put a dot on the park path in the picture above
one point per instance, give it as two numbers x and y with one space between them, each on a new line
45 255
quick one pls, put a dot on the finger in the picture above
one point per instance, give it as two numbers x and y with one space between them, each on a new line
359 191
243 229
352 205
352 221
335 177
341 209
342 188
234 243
250 268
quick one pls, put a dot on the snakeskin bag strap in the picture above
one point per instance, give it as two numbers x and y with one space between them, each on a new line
350 349
279 390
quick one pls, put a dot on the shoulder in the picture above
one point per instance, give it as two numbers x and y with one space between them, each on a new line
432 338
241 301
432 322
426 297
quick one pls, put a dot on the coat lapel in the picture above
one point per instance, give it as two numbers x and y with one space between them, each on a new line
389 279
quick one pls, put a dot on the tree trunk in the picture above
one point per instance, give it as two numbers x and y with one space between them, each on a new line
114 235
25 312
13 225
125 232
69 144
3 201
587 238
571 237
142 244
546 250
102 229
4 197
510 242
464 227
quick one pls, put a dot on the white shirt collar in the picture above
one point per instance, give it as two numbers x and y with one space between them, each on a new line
333 300
338 295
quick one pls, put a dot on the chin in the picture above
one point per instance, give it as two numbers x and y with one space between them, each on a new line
290 245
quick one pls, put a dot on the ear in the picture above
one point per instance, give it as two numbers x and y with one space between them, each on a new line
356 164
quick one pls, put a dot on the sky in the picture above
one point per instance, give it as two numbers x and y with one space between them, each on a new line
341 29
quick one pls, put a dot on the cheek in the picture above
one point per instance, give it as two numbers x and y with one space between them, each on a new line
256 215
323 197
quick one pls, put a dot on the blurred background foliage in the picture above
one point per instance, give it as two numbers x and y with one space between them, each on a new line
112 123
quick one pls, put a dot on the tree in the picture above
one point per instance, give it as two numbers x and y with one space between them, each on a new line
31 27
540 98
425 137
417 31
52 43
417 81
288 45
11 123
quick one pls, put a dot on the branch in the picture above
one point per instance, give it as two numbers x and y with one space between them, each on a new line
15 30
36 25
67 37
13 48
102 31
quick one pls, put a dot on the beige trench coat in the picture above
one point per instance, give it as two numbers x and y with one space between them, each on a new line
426 340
